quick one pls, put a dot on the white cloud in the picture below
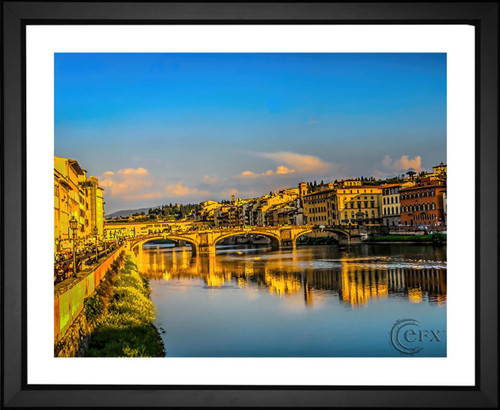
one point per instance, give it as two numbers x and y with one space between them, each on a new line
229 191
128 184
302 163
179 189
402 164
280 170
210 179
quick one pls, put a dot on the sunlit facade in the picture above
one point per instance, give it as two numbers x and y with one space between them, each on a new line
76 196
358 205
319 207
422 205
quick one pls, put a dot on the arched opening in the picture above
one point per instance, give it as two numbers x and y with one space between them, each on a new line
328 239
167 242
183 242
250 241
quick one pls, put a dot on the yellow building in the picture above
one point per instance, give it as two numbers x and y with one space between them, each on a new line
439 171
79 197
391 206
96 205
261 205
281 214
351 182
319 207
358 204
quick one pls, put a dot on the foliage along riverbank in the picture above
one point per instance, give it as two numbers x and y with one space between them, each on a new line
434 239
123 315
321 240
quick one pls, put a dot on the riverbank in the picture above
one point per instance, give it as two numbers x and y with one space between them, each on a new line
124 314
71 327
323 240
433 239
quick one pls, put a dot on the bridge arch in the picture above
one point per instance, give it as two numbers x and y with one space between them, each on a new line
337 231
298 235
275 239
174 238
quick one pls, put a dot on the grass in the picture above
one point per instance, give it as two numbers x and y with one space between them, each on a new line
124 327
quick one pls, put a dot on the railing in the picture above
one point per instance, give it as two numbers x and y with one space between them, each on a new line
63 270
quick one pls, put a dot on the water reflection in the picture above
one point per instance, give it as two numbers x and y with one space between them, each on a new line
353 276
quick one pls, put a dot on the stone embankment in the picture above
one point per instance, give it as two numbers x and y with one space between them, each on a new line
72 328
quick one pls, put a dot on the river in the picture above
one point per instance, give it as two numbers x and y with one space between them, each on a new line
315 301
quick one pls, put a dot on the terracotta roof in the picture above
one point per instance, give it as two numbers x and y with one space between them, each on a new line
391 185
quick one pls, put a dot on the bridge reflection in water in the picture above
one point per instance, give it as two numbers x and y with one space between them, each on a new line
354 279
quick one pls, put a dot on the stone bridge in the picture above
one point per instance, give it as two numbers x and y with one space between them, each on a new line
204 241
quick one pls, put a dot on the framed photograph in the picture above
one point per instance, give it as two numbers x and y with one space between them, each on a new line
236 204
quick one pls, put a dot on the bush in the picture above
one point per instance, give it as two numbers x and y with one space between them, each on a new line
438 239
434 239
309 240
127 330
93 307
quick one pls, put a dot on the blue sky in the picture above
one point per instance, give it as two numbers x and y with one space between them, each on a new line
160 128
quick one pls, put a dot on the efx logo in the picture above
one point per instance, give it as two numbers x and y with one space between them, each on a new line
407 336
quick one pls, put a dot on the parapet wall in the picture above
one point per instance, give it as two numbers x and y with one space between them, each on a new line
69 298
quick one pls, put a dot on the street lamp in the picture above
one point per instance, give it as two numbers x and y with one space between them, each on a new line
96 232
73 224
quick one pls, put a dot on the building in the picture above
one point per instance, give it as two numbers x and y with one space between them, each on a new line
445 207
351 183
79 197
391 204
260 207
207 211
96 204
319 207
302 189
298 217
358 204
439 171
225 215
422 204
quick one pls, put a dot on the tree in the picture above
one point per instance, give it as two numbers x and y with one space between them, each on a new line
411 174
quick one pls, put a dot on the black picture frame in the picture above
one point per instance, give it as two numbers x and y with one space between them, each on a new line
16 392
